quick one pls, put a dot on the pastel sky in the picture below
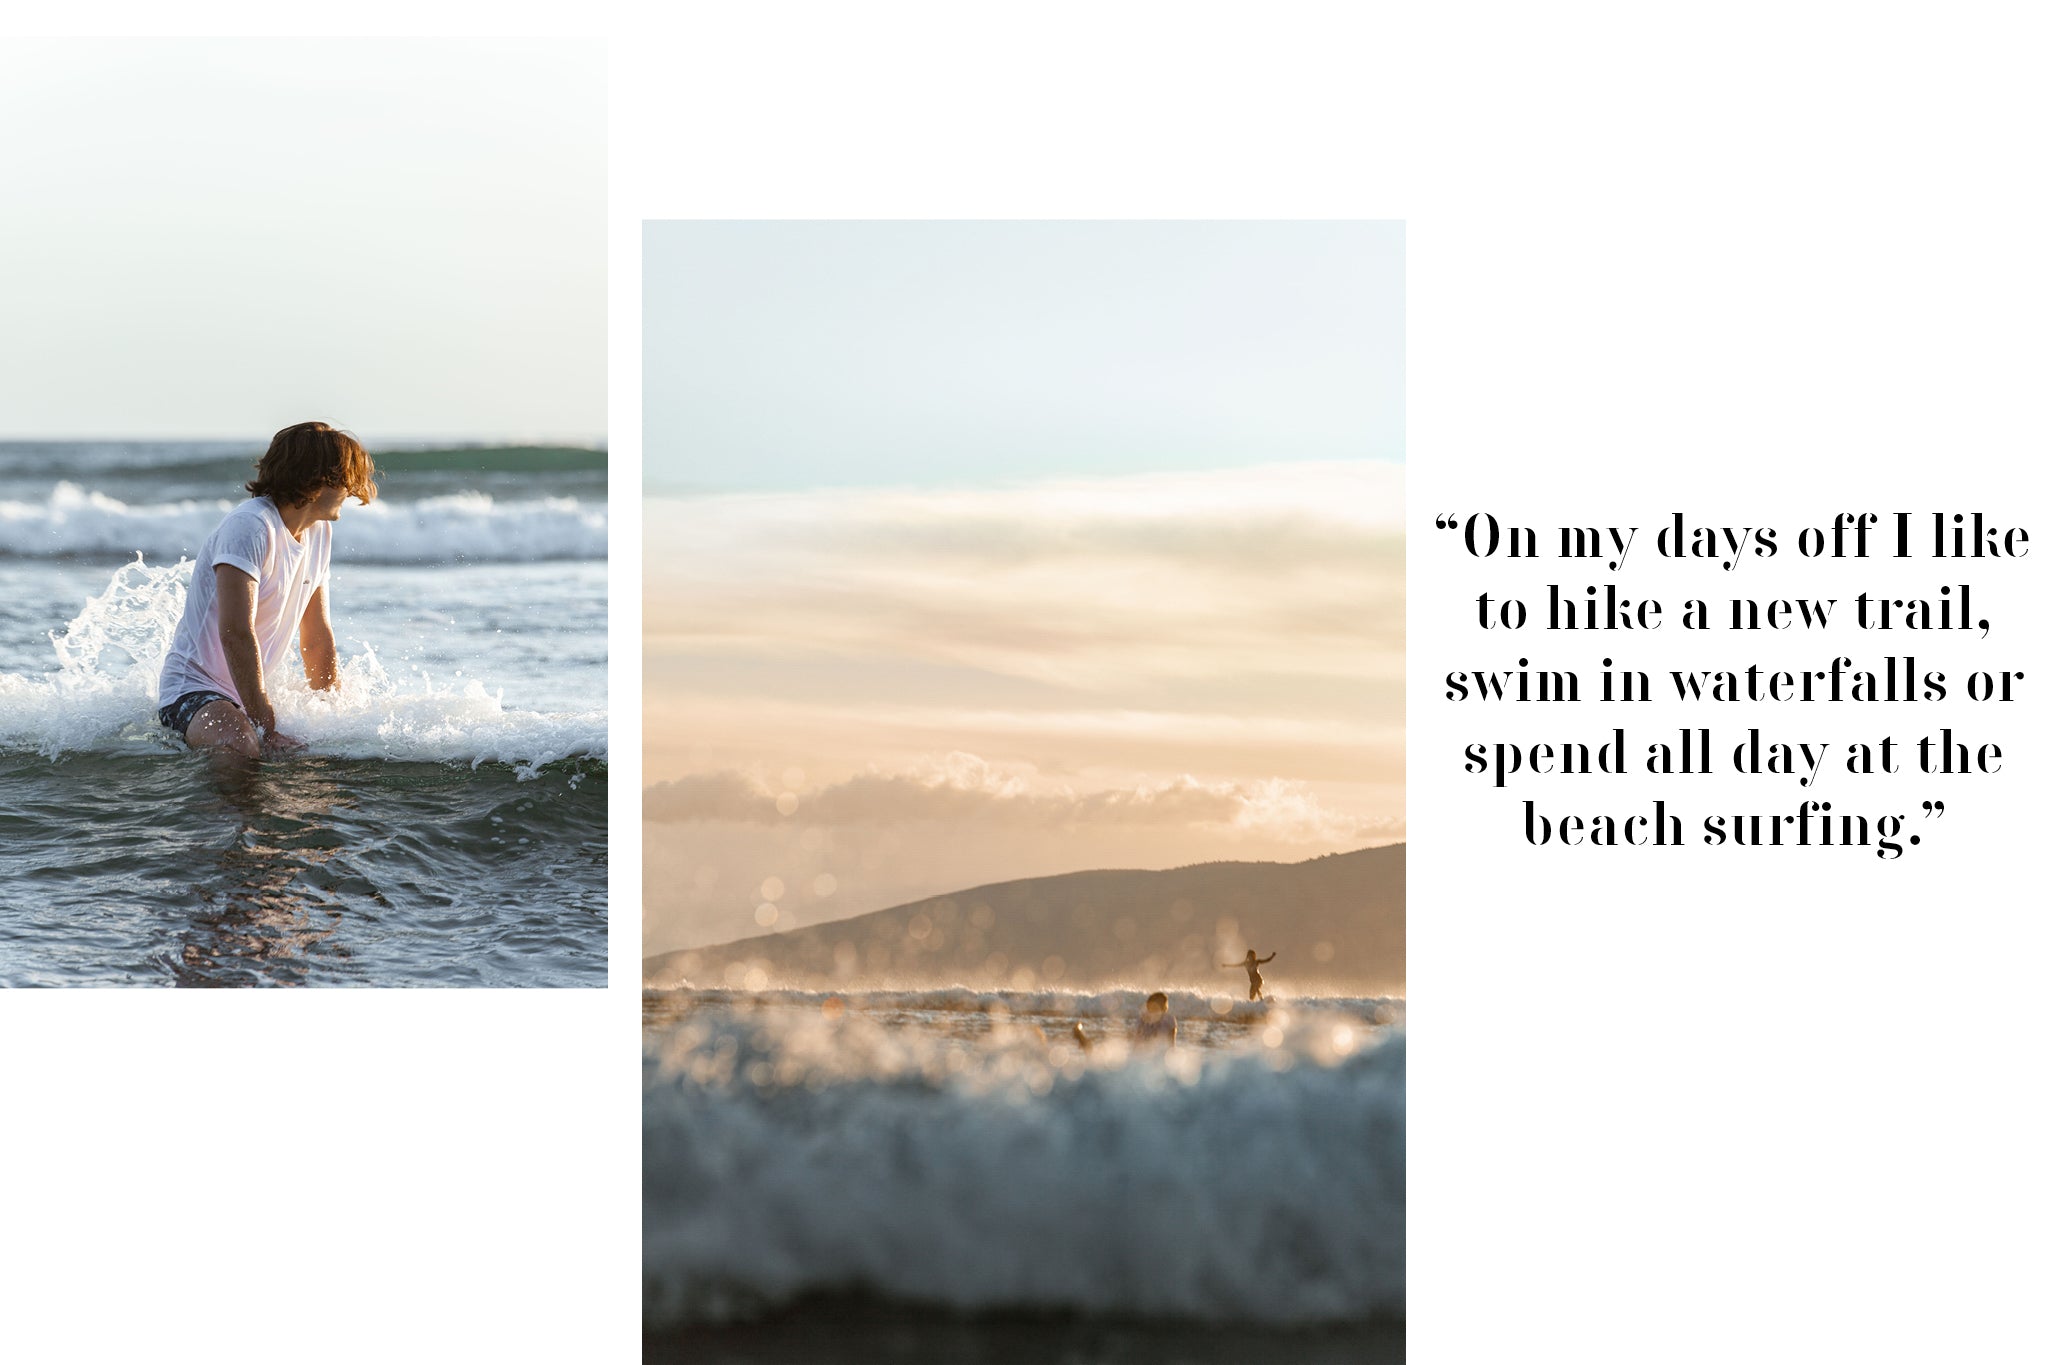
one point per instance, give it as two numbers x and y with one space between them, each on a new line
816 354
212 238
936 664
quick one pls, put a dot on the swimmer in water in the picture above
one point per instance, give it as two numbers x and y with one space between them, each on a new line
261 580
1251 964
1156 1024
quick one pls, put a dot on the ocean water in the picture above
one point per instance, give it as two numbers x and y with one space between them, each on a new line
912 1165
444 823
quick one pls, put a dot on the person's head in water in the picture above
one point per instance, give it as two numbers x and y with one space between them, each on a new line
1155 1003
314 462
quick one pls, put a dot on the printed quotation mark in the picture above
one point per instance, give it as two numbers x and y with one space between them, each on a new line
1933 810
1446 522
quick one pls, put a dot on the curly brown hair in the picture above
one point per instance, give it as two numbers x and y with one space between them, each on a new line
308 457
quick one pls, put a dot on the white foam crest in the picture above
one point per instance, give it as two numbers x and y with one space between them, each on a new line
788 1154
1377 1010
472 526
370 715
103 696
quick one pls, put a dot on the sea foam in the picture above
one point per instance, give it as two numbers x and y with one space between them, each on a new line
1121 1004
818 1152
471 526
103 696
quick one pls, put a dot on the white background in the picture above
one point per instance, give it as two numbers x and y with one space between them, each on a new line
1756 263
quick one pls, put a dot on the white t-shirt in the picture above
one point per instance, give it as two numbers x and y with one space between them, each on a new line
288 572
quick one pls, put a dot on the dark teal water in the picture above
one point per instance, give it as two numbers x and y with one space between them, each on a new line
156 869
401 847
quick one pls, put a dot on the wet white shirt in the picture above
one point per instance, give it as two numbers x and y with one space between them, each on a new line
288 572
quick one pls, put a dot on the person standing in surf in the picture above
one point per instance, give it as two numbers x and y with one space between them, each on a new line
1251 964
260 579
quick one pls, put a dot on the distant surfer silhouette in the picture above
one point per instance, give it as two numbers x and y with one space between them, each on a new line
1251 964
1156 1024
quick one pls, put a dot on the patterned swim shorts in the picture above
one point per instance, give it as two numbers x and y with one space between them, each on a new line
178 715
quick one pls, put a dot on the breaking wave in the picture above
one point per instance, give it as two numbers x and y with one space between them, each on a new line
467 526
791 1153
1112 1004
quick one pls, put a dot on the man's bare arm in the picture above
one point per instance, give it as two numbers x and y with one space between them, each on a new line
235 609
316 641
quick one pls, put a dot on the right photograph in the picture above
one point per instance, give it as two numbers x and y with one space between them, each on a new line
1024 927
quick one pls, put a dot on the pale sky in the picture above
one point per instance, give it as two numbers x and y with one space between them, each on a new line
1100 564
809 354
210 238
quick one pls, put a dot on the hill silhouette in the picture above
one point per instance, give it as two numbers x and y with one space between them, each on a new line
1338 923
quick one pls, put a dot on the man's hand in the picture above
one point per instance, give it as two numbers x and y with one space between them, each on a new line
265 717
273 742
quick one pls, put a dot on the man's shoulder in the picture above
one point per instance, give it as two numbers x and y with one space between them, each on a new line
243 538
249 514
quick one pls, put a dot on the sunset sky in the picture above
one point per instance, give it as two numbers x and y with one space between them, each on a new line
977 551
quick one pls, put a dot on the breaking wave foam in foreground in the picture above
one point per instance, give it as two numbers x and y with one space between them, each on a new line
103 696
459 526
788 1153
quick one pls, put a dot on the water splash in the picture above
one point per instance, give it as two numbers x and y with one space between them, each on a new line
103 695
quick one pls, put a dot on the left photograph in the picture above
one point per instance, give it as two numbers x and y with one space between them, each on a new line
303 514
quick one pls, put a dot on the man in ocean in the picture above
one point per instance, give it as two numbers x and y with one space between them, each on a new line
1155 1025
261 577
